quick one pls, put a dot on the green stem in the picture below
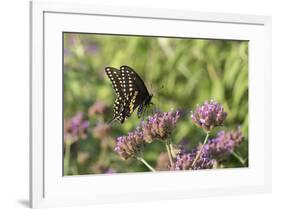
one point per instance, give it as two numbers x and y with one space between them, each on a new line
67 157
238 157
169 153
201 149
146 163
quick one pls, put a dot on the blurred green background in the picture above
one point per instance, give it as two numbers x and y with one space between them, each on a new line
181 73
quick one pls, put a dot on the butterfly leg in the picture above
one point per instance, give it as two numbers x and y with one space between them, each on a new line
143 113
150 109
140 110
146 111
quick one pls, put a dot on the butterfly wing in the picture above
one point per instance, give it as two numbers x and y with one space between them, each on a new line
114 76
135 87
130 90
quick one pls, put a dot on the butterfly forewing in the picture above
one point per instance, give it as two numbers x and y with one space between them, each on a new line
114 76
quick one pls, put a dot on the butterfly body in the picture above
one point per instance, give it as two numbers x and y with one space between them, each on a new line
130 90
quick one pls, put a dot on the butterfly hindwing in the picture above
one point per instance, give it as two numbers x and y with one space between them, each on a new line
135 85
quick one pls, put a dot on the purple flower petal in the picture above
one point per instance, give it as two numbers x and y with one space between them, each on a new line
208 116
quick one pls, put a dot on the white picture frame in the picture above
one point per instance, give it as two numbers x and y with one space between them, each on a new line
47 185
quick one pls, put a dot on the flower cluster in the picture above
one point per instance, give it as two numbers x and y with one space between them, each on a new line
225 142
209 115
131 145
160 125
87 126
185 161
76 128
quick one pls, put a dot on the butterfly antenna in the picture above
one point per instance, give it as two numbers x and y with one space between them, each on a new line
152 89
160 88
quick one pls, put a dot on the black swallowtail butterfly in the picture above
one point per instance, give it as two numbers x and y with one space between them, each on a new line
130 90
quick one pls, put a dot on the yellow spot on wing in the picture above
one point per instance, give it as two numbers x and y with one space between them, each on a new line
133 102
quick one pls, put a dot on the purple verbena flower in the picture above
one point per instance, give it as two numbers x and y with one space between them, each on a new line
208 116
131 145
184 161
225 142
159 126
76 128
